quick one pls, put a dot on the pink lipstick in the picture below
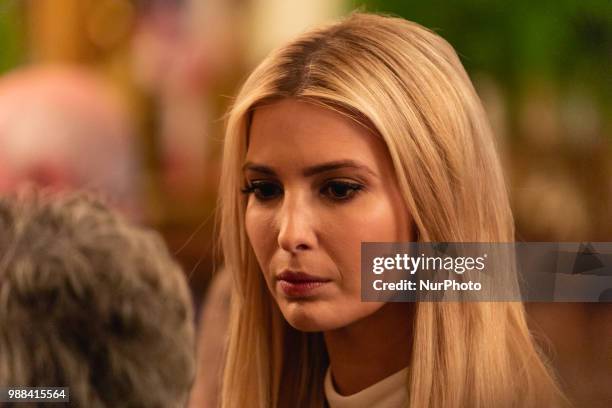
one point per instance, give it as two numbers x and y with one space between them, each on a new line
299 284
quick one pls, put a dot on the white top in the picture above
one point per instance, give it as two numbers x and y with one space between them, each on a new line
390 392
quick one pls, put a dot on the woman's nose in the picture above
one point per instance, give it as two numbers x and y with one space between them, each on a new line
296 231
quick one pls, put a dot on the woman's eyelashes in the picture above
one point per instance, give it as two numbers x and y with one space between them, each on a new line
334 190
263 190
338 190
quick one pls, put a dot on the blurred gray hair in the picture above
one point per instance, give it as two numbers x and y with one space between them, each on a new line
90 302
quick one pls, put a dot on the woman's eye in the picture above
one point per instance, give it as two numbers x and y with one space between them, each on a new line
263 190
340 190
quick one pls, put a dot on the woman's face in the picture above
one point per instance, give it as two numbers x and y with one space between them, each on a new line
318 186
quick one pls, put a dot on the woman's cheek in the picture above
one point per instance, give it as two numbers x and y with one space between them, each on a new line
255 221
345 231
371 220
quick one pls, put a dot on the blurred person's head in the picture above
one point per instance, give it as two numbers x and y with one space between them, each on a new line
89 302
393 96
66 128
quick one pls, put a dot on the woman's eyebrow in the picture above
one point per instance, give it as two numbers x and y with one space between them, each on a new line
312 170
335 165
259 168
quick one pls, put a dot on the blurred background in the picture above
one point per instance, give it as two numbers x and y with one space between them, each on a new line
126 97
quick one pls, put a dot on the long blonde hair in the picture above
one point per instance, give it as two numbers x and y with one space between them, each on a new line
408 84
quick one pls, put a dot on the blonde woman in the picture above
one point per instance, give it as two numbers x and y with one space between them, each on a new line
365 130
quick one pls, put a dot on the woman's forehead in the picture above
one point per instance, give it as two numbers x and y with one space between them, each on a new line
297 131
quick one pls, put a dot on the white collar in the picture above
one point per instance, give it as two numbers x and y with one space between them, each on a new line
388 392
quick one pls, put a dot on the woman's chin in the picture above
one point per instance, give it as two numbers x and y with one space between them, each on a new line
308 318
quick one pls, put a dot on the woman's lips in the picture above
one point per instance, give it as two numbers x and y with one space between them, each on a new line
299 284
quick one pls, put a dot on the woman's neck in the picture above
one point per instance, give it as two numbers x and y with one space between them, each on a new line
371 349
